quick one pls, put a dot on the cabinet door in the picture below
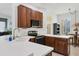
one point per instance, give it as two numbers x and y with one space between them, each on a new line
49 41
40 15
33 14
28 17
41 19
21 16
61 46
24 16
36 15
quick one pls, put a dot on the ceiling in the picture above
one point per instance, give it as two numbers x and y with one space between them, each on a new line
56 8
51 8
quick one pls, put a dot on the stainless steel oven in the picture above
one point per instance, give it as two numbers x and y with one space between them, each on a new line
38 39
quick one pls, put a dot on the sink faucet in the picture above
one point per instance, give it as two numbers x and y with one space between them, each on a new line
14 36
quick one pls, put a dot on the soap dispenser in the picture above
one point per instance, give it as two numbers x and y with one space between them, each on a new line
10 38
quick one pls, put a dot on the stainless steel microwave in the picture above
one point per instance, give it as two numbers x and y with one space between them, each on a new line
35 23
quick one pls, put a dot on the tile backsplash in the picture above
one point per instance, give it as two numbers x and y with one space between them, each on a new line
23 32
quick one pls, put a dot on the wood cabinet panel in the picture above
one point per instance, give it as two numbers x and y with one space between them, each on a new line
49 41
28 17
25 15
33 15
41 19
36 15
40 16
60 45
21 16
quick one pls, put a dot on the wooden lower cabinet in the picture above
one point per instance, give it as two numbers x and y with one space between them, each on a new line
60 45
49 41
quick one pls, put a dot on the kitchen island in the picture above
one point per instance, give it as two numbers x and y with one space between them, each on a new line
22 47
58 36
59 42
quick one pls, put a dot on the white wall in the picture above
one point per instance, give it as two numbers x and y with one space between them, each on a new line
6 12
9 19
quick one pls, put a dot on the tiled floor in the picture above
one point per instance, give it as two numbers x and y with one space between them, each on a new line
74 51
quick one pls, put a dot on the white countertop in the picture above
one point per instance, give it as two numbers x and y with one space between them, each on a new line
24 38
58 36
22 47
19 47
39 50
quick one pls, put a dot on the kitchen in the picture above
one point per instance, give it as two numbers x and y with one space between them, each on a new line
30 29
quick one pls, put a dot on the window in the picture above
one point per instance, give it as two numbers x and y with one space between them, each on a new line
3 24
67 24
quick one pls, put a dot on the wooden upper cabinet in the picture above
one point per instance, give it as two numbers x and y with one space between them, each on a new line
36 15
33 14
28 17
41 19
23 16
40 15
